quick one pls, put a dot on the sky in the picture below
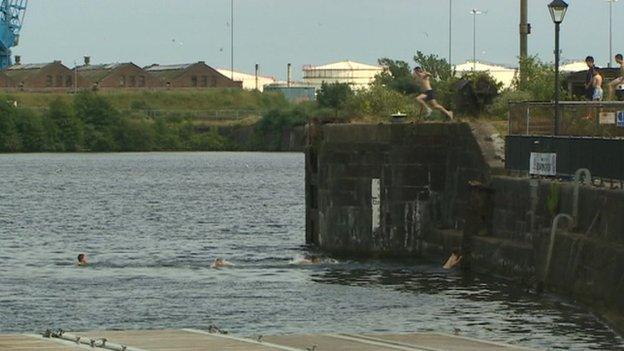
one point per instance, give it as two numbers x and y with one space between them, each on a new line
273 33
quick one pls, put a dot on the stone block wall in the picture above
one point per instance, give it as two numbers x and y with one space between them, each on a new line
426 208
422 171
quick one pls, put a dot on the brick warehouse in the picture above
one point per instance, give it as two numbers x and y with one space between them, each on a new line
42 76
5 81
118 76
54 76
192 75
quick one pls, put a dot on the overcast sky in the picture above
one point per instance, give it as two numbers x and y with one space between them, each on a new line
275 32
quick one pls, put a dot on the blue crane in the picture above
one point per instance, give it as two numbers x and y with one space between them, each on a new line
11 19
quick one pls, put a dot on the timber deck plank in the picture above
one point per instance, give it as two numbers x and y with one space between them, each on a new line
195 340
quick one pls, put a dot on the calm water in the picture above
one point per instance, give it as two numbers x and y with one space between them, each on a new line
152 223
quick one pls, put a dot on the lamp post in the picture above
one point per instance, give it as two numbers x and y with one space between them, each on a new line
558 9
450 57
75 77
611 31
232 38
474 13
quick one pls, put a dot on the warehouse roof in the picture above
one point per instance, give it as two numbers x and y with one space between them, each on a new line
22 72
169 72
96 73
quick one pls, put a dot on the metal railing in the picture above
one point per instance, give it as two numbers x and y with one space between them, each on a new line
225 114
215 115
578 118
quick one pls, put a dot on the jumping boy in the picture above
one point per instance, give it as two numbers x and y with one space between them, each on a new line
428 96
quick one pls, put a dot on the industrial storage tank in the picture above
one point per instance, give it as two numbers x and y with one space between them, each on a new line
357 75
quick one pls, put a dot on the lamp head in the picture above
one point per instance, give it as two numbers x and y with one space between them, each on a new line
558 9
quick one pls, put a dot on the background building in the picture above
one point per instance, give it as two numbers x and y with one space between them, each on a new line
247 80
42 76
5 81
357 75
191 75
502 74
117 76
294 93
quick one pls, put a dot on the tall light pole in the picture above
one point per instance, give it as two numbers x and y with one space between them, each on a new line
474 13
450 56
75 77
558 9
611 31
232 38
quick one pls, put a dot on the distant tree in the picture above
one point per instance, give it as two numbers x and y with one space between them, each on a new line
66 132
135 134
539 79
10 140
30 128
101 121
95 110
396 76
439 68
334 95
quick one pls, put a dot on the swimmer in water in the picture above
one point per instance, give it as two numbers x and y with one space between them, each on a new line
82 260
221 263
311 259
454 260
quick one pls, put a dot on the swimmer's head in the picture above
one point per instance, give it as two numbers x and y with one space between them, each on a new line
82 258
456 252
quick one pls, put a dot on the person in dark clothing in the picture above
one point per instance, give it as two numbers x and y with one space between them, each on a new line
589 88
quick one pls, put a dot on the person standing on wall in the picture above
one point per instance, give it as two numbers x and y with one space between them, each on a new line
620 80
591 67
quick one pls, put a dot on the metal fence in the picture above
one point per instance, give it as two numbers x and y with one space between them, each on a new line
214 115
578 118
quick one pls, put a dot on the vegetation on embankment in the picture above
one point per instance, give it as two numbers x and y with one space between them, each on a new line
172 100
234 119
135 121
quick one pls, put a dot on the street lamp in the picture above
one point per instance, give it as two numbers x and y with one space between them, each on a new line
232 38
611 31
474 13
450 57
558 9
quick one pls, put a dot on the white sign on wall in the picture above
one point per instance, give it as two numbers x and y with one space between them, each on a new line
607 118
543 164
376 203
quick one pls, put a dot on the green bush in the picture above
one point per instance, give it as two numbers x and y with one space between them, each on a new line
10 140
65 129
477 91
380 102
538 79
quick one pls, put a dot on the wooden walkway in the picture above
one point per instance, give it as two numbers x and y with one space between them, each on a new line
196 340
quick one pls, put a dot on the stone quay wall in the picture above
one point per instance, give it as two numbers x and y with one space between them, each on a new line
404 191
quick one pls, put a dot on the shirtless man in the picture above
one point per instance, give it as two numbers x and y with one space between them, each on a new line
428 96
221 263
620 80
596 84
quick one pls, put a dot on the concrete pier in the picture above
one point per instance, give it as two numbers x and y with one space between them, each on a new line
197 340
426 189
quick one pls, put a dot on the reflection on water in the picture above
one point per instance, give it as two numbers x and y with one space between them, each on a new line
152 224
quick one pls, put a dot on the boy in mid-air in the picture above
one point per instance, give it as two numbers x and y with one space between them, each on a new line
427 98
